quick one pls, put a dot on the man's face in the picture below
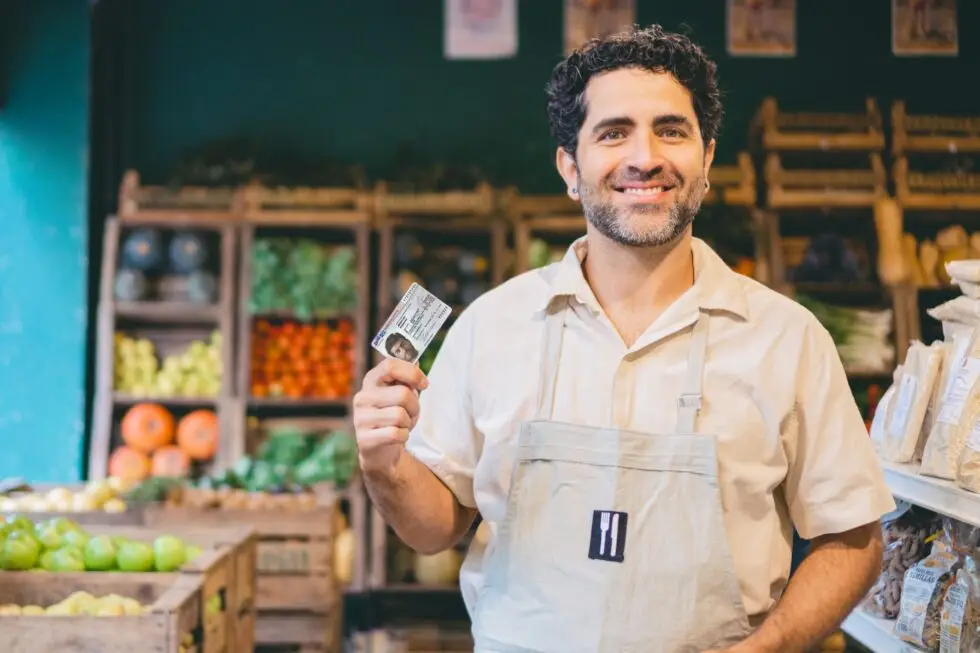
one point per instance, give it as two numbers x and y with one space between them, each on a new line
403 350
641 164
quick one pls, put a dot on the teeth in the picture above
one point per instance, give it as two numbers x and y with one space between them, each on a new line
644 191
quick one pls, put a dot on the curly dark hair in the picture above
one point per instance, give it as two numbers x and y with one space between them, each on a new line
652 49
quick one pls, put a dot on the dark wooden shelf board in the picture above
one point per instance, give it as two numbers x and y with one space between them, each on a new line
169 311
122 399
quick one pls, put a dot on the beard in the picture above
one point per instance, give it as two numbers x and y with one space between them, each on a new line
650 226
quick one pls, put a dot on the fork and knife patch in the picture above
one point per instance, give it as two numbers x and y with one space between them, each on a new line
608 535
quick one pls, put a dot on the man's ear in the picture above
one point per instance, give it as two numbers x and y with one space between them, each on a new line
568 169
709 156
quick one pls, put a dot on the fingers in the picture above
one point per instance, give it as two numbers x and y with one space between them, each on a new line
373 439
380 418
391 371
372 398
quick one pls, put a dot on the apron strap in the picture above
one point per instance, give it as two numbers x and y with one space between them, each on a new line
554 329
689 402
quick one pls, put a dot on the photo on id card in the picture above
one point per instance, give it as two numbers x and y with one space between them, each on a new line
412 325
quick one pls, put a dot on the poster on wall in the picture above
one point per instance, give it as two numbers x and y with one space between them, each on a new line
480 29
761 28
590 19
924 27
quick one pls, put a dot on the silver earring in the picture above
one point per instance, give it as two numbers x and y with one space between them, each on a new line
574 190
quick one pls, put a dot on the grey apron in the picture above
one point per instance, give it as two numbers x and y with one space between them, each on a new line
613 540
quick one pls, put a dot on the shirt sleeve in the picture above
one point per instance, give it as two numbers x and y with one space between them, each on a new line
445 437
834 482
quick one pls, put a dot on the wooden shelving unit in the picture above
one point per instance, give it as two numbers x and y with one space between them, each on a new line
824 174
323 217
940 205
555 218
821 131
412 229
161 306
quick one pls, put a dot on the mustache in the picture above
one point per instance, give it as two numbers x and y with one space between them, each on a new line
658 176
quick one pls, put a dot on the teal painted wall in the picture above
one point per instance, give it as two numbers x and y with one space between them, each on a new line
355 78
43 239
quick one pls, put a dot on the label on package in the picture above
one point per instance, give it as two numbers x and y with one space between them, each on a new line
903 406
958 391
412 325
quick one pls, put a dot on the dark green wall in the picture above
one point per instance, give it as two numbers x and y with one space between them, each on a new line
354 78
43 238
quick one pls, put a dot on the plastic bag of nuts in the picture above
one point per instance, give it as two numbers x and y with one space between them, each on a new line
907 540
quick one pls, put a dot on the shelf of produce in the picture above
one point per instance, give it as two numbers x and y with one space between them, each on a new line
875 634
935 494
304 279
165 320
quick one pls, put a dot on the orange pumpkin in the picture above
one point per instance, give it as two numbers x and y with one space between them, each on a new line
129 464
147 427
197 434
170 462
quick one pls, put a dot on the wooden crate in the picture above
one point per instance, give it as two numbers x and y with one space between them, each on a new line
458 215
815 188
555 216
171 322
240 543
297 596
175 618
734 185
139 203
932 134
481 201
942 191
201 581
785 130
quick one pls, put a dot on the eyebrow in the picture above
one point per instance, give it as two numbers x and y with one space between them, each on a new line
674 119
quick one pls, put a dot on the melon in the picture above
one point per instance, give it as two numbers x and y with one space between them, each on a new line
130 286
187 252
142 249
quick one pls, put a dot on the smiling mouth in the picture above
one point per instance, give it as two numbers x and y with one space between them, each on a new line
644 191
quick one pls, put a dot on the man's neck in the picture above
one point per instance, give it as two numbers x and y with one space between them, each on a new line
635 285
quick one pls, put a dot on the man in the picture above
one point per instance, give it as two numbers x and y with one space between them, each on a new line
639 427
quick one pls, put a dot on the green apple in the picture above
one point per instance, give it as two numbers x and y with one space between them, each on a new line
49 536
20 551
46 562
135 556
169 553
100 554
77 538
19 523
68 558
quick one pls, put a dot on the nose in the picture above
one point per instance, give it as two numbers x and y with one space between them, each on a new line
645 152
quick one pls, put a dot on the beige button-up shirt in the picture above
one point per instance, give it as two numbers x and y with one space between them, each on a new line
792 445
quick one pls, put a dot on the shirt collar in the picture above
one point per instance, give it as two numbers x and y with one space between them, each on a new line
717 286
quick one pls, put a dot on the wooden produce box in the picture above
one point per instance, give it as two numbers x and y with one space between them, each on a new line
235 579
182 617
297 597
